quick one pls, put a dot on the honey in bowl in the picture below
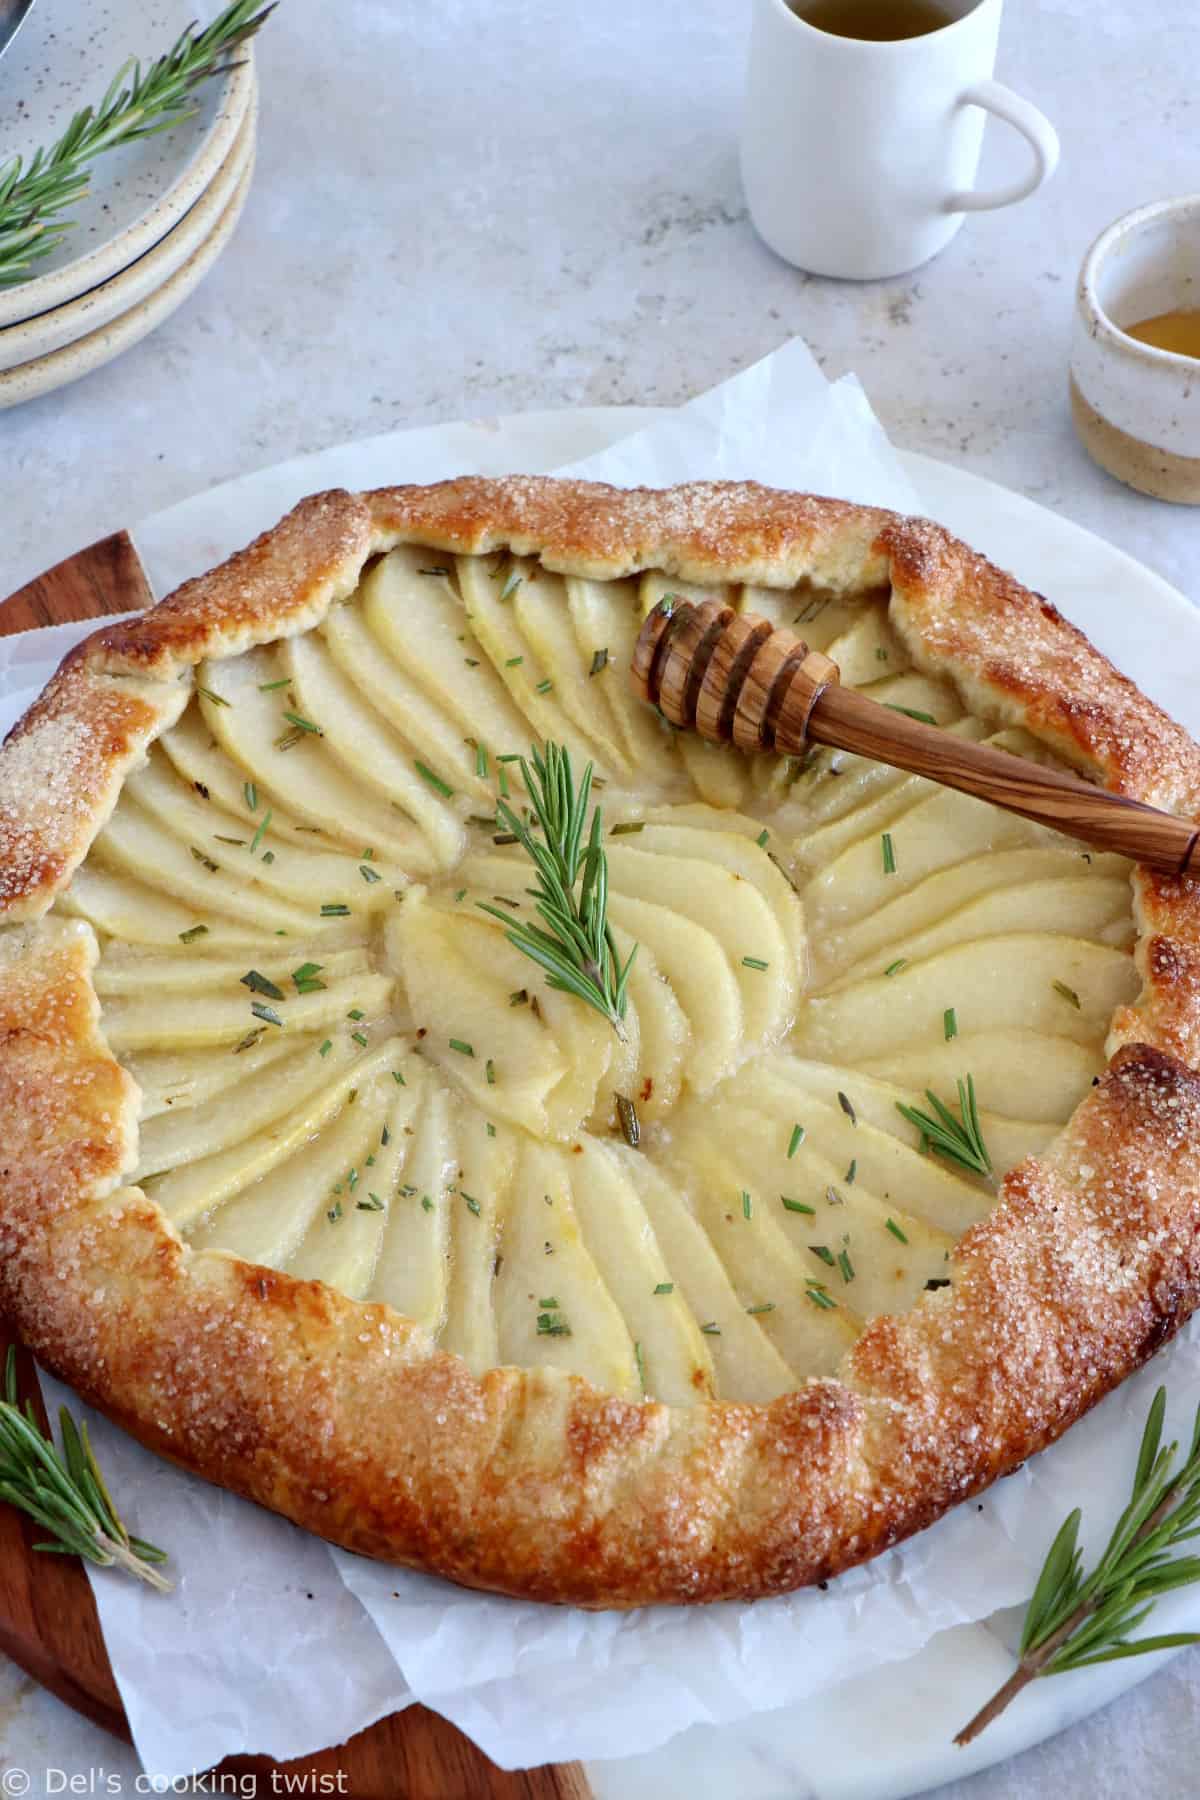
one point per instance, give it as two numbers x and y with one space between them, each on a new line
1175 331
875 21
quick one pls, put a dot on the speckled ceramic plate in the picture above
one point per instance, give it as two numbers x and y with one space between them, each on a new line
64 58
45 373
33 338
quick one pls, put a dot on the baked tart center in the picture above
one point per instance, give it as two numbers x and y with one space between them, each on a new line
350 1073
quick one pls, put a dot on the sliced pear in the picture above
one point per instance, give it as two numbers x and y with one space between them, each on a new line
552 1306
1079 906
309 785
203 876
530 682
815 614
541 614
343 1242
674 1363
944 828
186 1194
123 969
129 910
879 1253
372 755
877 1139
148 1023
174 1080
733 911
410 1274
422 624
403 702
745 860
765 1269
487 1154
746 1365
1024 981
1024 1074
268 1222
185 1136
719 773
199 760
921 909
700 977
664 1037
607 621
452 998
869 651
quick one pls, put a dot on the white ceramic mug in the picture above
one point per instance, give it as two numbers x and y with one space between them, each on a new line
858 157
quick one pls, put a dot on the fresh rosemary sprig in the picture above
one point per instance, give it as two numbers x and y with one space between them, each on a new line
136 105
576 947
1075 1620
65 1492
958 1140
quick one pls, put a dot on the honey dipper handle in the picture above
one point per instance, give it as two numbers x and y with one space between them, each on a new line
1105 821
735 678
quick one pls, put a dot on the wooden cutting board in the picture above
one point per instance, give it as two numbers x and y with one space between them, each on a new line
48 1619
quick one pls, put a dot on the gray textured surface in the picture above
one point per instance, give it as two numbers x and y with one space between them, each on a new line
476 208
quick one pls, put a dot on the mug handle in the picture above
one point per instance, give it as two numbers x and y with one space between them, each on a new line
1034 127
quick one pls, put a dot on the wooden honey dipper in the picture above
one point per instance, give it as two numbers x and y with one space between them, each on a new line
735 678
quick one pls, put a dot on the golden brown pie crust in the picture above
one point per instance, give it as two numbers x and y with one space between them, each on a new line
344 1416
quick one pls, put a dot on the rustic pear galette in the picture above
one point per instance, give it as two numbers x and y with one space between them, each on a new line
823 1145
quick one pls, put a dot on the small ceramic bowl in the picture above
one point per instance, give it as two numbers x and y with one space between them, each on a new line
1137 409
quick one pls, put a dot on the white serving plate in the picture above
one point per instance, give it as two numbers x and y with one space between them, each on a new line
888 1734
42 374
67 324
64 58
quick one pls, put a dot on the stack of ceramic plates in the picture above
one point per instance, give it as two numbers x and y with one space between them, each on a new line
159 212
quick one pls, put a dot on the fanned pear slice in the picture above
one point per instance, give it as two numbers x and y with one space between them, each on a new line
288 763
487 1154
735 914
873 942
268 1222
175 1080
133 913
745 1364
663 1037
530 684
295 874
422 624
411 1272
943 829
869 651
541 614
124 970
199 760
147 1023
404 703
187 1136
343 1242
369 752
743 859
813 614
188 1193
1024 1074
876 1138
1023 981
204 877
700 977
453 1000
552 1306
847 1235
766 1272
674 1364
1079 906
607 621
882 805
